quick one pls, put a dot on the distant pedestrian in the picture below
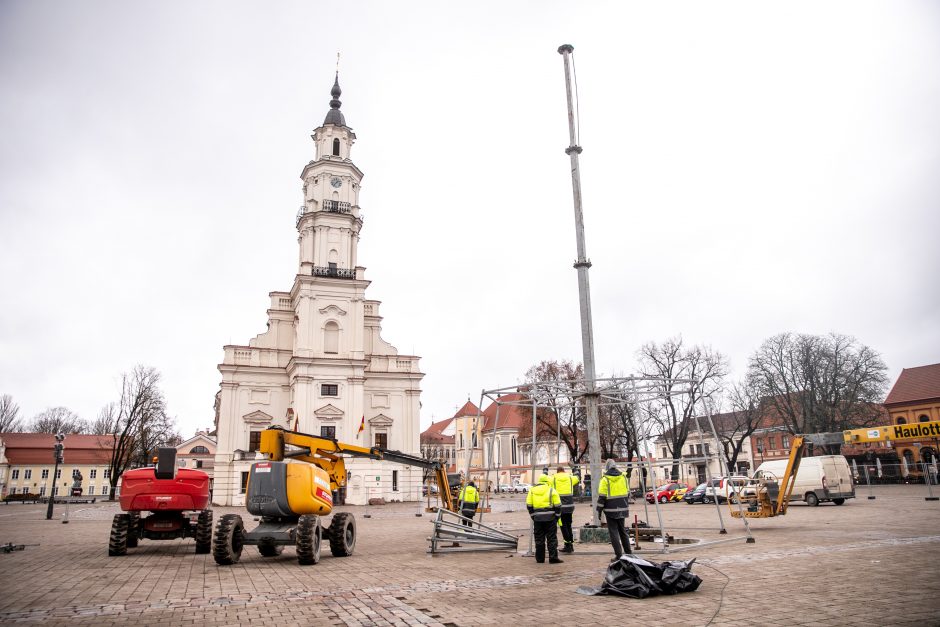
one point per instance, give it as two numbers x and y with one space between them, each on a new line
544 507
564 484
613 500
469 498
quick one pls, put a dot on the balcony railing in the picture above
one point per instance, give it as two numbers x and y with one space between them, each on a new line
336 273
335 206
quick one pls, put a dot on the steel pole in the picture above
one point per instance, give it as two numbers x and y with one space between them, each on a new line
582 265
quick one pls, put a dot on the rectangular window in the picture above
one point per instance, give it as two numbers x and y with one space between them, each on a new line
381 440
514 452
244 487
706 450
45 473
93 473
58 473
107 473
328 431
15 475
770 442
665 453
198 463
394 481
786 443
254 441
329 389
91 490
28 473
42 491
12 490
55 491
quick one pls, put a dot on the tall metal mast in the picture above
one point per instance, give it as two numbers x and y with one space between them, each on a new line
582 264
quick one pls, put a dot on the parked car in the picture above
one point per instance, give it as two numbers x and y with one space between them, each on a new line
680 492
819 479
697 495
724 489
521 487
664 493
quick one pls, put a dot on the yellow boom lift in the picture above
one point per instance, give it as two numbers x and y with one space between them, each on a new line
768 498
290 498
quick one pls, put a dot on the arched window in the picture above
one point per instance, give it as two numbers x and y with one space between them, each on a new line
336 147
331 337
901 421
909 457
927 454
923 418
474 439
199 449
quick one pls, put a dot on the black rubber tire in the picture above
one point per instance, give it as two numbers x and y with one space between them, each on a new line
811 499
309 540
342 534
269 549
133 530
117 545
229 540
204 532
707 500
838 501
663 499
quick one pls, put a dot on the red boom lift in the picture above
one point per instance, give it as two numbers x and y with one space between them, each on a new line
176 499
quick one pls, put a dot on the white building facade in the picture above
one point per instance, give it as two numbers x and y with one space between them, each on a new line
322 366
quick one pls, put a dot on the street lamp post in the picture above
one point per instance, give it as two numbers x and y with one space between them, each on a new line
760 450
59 457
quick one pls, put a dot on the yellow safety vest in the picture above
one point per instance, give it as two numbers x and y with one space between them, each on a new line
544 501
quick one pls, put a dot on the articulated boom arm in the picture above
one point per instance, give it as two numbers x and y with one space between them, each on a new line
328 454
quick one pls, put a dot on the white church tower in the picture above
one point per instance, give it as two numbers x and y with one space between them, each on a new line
322 366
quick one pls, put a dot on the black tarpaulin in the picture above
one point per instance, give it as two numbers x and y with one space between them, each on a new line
637 578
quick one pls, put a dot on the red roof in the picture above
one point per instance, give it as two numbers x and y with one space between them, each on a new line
30 449
513 413
433 433
468 409
916 384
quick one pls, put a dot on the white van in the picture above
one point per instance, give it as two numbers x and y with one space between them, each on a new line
821 478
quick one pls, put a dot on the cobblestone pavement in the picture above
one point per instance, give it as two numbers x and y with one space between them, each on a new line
868 562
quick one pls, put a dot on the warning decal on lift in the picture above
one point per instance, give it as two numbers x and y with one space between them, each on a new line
325 495
263 467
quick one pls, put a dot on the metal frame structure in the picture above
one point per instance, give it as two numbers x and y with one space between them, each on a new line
610 391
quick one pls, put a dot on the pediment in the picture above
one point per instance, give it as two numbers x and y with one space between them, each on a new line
328 412
381 421
332 310
258 418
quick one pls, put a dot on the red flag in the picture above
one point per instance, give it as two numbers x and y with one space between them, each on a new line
362 426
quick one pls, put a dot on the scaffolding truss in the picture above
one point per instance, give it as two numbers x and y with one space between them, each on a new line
634 391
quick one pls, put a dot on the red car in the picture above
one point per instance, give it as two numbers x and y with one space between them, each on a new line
664 493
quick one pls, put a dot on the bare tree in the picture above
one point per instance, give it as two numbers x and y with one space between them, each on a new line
671 361
819 384
57 420
735 428
9 415
558 409
138 421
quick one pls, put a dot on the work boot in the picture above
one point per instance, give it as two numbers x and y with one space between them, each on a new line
555 560
569 548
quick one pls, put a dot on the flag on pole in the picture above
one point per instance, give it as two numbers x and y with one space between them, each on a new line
362 426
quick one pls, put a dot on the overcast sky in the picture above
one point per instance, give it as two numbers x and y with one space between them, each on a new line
749 168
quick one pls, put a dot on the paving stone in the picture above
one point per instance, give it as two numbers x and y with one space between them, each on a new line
866 562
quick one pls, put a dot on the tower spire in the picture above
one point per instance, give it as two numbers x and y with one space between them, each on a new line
334 115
